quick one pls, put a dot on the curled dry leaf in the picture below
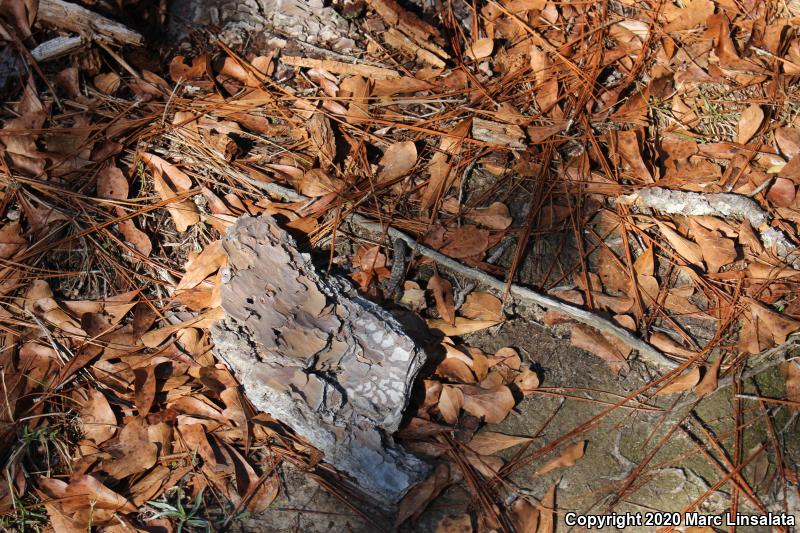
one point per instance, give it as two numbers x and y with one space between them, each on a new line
525 516
316 182
443 295
86 491
184 213
211 259
527 381
137 238
492 404
682 383
482 306
134 451
480 48
568 457
489 442
750 121
180 180
423 493
107 83
496 216
708 384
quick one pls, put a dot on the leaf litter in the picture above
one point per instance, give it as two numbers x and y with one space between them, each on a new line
490 138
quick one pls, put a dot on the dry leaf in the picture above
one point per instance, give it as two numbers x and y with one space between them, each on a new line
492 404
568 457
420 495
211 259
97 421
489 442
482 306
443 295
708 384
112 183
547 511
465 241
480 48
613 353
750 121
450 401
86 491
397 161
316 182
682 383
717 250
686 248
496 216
134 451
524 516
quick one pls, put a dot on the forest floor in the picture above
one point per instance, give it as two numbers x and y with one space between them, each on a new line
601 207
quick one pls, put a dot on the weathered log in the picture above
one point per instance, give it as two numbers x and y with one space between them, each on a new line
73 17
334 367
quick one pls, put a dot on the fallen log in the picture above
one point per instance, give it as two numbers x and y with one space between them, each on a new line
334 367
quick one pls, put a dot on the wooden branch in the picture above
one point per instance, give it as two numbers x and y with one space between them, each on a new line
647 352
73 17
58 47
724 205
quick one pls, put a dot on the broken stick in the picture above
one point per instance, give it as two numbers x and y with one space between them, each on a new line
647 352
73 17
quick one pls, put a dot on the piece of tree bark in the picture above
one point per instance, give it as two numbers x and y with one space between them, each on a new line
333 366
75 18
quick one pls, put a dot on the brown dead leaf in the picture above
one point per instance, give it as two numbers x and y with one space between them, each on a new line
568 457
211 259
112 183
461 326
465 241
97 421
455 370
11 239
682 383
86 491
450 401
749 123
137 238
613 353
782 193
133 451
777 325
708 384
717 250
443 295
489 442
184 213
686 248
547 511
180 180
397 161
107 83
492 404
496 216
420 495
524 516
482 306
645 263
527 381
480 48
664 342
316 182
792 372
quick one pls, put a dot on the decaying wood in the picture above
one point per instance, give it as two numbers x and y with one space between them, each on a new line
333 366
646 351
338 67
58 47
724 205
75 18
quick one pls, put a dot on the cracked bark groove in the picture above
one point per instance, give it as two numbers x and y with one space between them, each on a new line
335 367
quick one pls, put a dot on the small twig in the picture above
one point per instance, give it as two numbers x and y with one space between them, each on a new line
646 352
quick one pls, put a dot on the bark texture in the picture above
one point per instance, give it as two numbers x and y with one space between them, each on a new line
333 366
